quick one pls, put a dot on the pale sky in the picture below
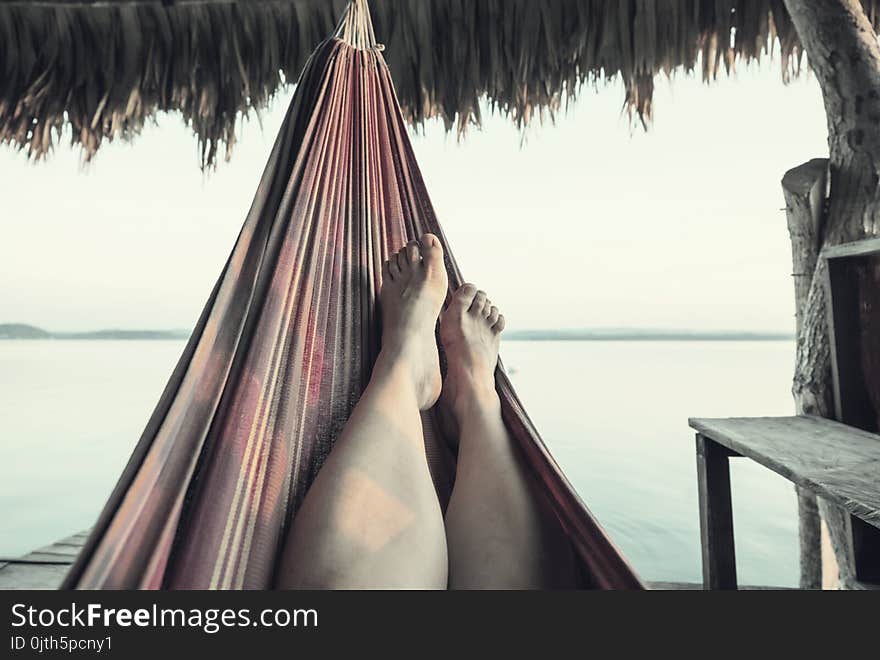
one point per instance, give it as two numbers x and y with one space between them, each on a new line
583 225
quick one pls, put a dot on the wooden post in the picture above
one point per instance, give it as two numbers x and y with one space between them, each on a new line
806 189
716 515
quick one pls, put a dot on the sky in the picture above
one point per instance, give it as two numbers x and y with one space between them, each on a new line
583 223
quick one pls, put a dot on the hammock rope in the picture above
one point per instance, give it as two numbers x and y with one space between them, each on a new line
356 27
284 348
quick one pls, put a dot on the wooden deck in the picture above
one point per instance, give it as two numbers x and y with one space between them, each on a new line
45 568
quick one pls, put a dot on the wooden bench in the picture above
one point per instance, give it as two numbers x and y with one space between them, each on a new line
837 462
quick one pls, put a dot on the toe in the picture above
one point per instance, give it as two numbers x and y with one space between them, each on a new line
402 259
478 303
432 252
412 253
493 317
499 324
393 267
487 308
464 296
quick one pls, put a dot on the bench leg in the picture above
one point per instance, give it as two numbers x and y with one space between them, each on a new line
716 515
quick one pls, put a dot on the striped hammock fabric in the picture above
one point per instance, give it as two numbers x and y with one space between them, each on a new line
284 348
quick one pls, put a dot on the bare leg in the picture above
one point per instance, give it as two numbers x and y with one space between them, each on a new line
500 531
371 519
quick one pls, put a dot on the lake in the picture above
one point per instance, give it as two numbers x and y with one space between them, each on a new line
614 414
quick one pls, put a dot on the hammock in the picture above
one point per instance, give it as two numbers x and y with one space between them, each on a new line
284 348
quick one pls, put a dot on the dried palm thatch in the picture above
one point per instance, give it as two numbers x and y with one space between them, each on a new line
104 69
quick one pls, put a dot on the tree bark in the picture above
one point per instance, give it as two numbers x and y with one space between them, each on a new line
844 54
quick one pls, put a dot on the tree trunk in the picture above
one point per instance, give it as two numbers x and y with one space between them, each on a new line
845 56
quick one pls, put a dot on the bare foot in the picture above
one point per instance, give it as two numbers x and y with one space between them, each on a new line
471 333
414 286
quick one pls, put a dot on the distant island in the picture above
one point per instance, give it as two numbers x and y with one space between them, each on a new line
637 334
23 331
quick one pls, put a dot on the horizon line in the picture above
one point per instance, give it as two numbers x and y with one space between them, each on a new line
24 331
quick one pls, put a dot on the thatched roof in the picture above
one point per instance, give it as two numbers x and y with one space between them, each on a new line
103 70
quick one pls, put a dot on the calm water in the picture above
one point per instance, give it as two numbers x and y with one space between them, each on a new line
613 413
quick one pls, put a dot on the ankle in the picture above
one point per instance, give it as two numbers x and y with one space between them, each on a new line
473 396
392 367
406 370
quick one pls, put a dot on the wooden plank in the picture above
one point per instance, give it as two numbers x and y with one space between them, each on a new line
32 576
63 552
43 568
61 549
838 462
78 538
39 558
854 249
77 541
716 515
